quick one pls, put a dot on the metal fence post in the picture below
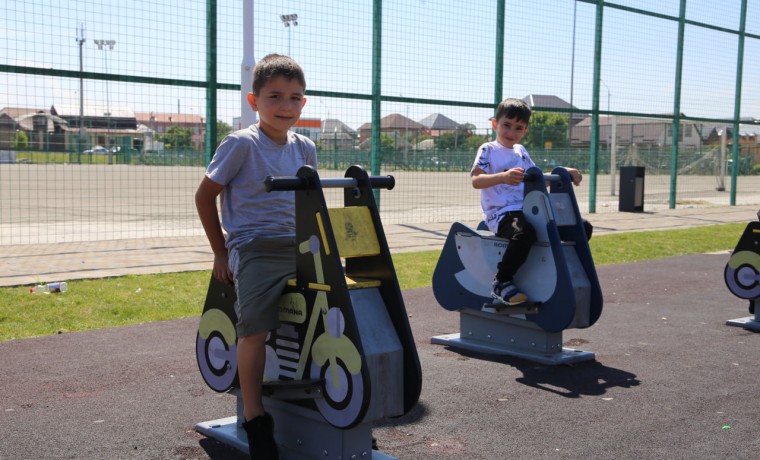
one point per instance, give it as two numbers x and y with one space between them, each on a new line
738 102
677 107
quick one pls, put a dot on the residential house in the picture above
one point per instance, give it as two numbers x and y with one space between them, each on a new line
44 130
639 131
546 103
158 123
749 140
437 124
115 126
395 125
337 135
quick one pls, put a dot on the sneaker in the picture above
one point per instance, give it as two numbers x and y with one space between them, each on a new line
261 443
507 293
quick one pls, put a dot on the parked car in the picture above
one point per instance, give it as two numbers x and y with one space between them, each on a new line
97 150
100 150
434 163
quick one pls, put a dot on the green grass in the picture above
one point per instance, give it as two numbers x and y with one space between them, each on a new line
638 246
136 299
59 158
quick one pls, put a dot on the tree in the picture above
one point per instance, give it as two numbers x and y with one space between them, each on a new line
177 137
387 143
547 127
222 129
20 140
468 128
456 140
475 141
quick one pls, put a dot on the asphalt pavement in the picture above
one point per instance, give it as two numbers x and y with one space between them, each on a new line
670 378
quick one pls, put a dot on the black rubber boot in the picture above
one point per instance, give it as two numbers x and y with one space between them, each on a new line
261 443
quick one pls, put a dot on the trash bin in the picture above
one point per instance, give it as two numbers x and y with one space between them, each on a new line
631 189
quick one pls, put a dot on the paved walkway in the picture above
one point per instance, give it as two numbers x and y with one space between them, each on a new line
28 264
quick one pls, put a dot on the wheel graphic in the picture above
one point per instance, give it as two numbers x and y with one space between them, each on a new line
215 350
742 275
342 401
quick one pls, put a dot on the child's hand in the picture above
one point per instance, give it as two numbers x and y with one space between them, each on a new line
221 270
575 176
514 176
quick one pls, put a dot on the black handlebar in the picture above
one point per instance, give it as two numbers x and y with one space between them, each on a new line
546 177
281 183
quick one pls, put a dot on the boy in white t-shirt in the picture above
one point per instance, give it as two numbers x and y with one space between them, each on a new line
498 172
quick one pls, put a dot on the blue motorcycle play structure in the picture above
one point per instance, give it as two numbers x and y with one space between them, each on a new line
559 278
344 356
742 274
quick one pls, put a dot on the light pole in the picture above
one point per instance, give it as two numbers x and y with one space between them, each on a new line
110 44
608 95
247 115
289 21
80 40
612 142
572 59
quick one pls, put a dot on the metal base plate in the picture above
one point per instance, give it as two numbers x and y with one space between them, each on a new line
748 322
301 434
565 356
226 431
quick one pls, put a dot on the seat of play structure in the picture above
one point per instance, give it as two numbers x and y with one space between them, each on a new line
558 277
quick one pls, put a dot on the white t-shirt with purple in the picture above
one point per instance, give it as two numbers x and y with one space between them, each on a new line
493 158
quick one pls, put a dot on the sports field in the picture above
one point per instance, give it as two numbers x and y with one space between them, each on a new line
43 204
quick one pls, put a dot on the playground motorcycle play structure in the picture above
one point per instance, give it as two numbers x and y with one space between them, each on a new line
344 356
559 278
742 274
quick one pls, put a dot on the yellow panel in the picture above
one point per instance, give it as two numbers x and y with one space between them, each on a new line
322 234
361 283
354 231
320 287
353 283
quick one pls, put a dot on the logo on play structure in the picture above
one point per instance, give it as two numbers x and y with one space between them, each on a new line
292 308
351 233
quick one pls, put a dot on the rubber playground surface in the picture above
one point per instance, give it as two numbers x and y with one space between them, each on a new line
670 380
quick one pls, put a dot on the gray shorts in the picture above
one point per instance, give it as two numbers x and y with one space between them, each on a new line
261 269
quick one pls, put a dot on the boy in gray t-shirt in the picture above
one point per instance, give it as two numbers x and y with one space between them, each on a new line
258 254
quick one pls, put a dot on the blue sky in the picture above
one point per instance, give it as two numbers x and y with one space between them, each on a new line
432 50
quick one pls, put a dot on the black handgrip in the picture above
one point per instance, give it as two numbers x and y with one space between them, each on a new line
547 177
386 182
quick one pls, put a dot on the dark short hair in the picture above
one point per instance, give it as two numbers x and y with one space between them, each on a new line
276 65
513 108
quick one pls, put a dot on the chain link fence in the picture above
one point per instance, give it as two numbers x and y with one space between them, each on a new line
109 111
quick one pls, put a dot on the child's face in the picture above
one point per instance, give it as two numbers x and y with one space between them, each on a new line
279 105
509 131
